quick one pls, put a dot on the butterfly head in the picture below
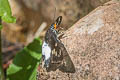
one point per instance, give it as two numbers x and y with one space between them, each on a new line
56 23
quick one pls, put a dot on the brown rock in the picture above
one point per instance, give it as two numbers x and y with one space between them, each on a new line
93 45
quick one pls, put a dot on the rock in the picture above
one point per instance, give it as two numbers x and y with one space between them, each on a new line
93 44
94 40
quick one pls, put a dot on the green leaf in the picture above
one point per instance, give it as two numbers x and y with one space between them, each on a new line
5 12
0 27
24 66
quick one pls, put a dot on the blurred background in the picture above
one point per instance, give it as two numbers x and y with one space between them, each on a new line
34 17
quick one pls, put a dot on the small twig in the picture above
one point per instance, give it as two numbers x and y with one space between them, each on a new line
37 34
40 29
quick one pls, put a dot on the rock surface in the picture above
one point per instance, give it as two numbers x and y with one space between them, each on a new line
93 45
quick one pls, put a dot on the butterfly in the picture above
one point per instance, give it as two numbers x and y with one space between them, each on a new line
54 53
51 39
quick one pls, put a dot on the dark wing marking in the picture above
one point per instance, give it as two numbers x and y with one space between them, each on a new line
58 20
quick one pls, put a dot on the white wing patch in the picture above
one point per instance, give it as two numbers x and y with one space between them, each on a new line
46 50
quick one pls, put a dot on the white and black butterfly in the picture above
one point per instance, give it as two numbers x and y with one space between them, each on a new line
54 54
51 39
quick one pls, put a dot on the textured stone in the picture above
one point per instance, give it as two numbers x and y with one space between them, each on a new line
94 40
93 44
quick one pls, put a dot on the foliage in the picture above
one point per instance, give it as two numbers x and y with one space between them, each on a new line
5 12
5 15
25 63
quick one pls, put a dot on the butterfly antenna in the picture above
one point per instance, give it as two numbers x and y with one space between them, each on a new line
54 15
